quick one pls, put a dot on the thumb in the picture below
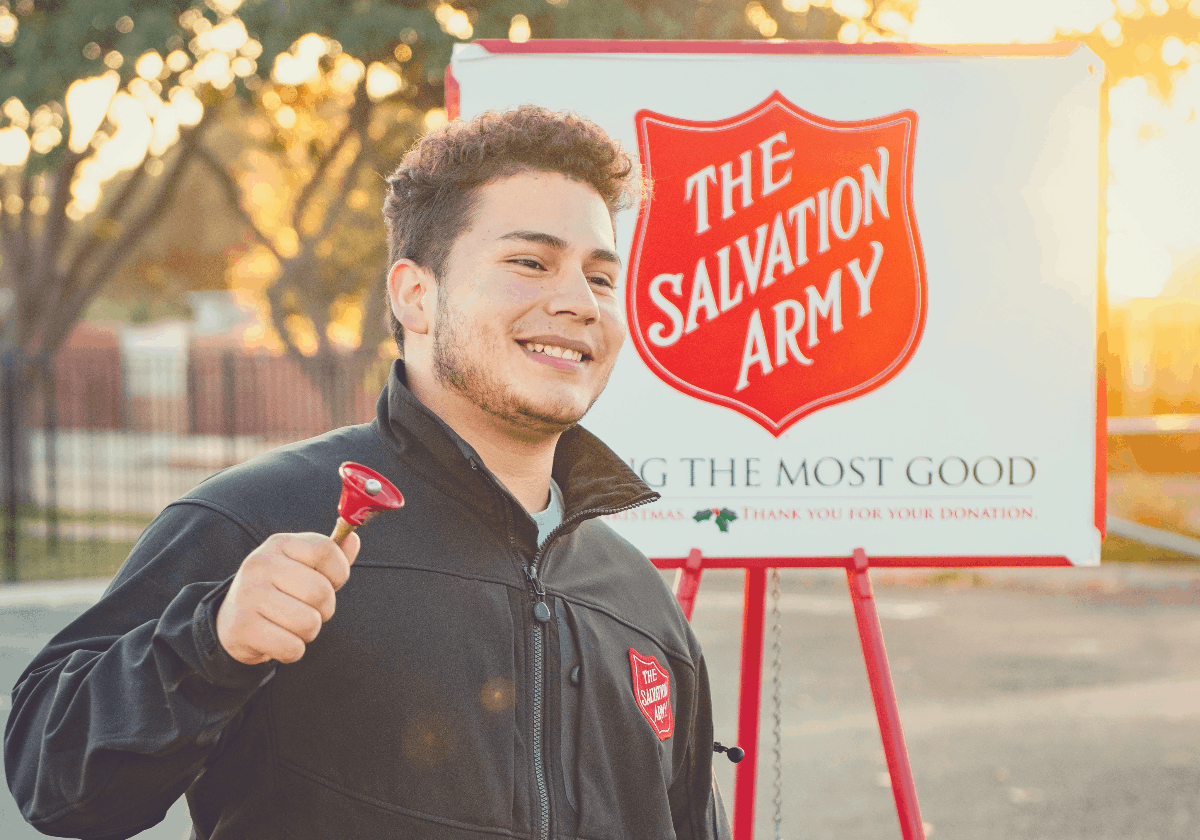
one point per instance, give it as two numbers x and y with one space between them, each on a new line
350 547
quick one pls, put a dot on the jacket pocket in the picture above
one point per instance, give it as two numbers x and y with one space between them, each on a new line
620 768
408 698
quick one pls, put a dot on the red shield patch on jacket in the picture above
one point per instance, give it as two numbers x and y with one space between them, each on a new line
652 690
777 268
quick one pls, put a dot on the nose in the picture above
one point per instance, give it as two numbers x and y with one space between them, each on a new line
573 296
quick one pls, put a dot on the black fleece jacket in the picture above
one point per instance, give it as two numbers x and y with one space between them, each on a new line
434 704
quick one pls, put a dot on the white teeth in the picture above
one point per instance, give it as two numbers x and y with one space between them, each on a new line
557 352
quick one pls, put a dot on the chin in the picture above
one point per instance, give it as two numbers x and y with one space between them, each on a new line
548 414
549 419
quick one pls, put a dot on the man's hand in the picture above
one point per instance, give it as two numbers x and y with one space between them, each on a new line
281 595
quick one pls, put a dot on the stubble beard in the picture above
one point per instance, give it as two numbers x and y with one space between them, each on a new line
454 370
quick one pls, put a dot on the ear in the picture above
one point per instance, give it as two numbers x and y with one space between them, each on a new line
411 293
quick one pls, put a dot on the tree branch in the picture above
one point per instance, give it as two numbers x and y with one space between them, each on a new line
332 216
299 272
357 118
292 269
374 330
279 321
92 239
10 233
55 317
8 225
132 233
26 221
233 194
299 267
56 216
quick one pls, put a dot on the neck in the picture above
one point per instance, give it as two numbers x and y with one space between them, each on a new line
520 458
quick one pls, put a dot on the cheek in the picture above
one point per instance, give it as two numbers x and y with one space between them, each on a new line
499 299
497 305
517 294
613 319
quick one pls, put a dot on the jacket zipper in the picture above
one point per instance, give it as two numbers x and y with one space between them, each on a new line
539 690
537 594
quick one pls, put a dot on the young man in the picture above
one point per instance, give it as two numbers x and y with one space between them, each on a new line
480 677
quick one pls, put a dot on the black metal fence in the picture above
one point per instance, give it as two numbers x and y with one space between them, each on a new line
95 442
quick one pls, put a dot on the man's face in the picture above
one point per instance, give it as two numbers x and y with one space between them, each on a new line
528 320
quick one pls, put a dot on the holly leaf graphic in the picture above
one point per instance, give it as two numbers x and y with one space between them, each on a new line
723 517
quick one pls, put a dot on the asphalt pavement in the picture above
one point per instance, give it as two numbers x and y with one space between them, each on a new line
1037 704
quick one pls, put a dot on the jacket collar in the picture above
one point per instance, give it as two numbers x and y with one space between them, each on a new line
593 480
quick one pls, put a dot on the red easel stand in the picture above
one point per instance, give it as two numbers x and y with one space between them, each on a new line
883 692
687 582
749 703
880 676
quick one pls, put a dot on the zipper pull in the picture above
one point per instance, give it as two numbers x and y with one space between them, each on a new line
534 581
540 610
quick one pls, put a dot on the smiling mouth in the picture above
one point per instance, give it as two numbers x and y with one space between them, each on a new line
555 351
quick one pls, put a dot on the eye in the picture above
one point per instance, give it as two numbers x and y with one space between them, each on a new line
603 280
528 262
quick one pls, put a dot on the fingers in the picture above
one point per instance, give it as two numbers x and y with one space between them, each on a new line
317 552
305 586
264 640
296 617
282 594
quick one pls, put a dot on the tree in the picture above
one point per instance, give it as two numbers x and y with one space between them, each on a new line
342 106
323 151
60 240
76 213
109 102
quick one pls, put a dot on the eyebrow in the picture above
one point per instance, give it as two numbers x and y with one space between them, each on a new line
558 244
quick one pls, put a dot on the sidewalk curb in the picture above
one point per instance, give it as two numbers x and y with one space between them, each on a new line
1156 537
87 591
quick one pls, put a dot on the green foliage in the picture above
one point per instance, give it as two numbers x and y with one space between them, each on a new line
367 29
595 19
62 249
58 43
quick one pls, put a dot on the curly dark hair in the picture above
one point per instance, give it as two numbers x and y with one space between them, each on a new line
434 191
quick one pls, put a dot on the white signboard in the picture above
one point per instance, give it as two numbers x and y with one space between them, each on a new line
862 300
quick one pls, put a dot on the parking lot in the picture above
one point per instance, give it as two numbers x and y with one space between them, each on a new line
1052 704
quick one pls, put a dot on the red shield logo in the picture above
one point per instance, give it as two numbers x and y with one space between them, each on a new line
777 268
652 690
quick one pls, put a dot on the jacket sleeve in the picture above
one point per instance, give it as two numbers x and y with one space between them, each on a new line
699 813
116 717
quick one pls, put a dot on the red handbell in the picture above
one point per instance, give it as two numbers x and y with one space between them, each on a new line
365 493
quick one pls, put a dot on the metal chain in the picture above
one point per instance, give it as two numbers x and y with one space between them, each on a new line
777 700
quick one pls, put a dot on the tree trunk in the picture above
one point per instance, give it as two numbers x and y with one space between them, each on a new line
20 384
